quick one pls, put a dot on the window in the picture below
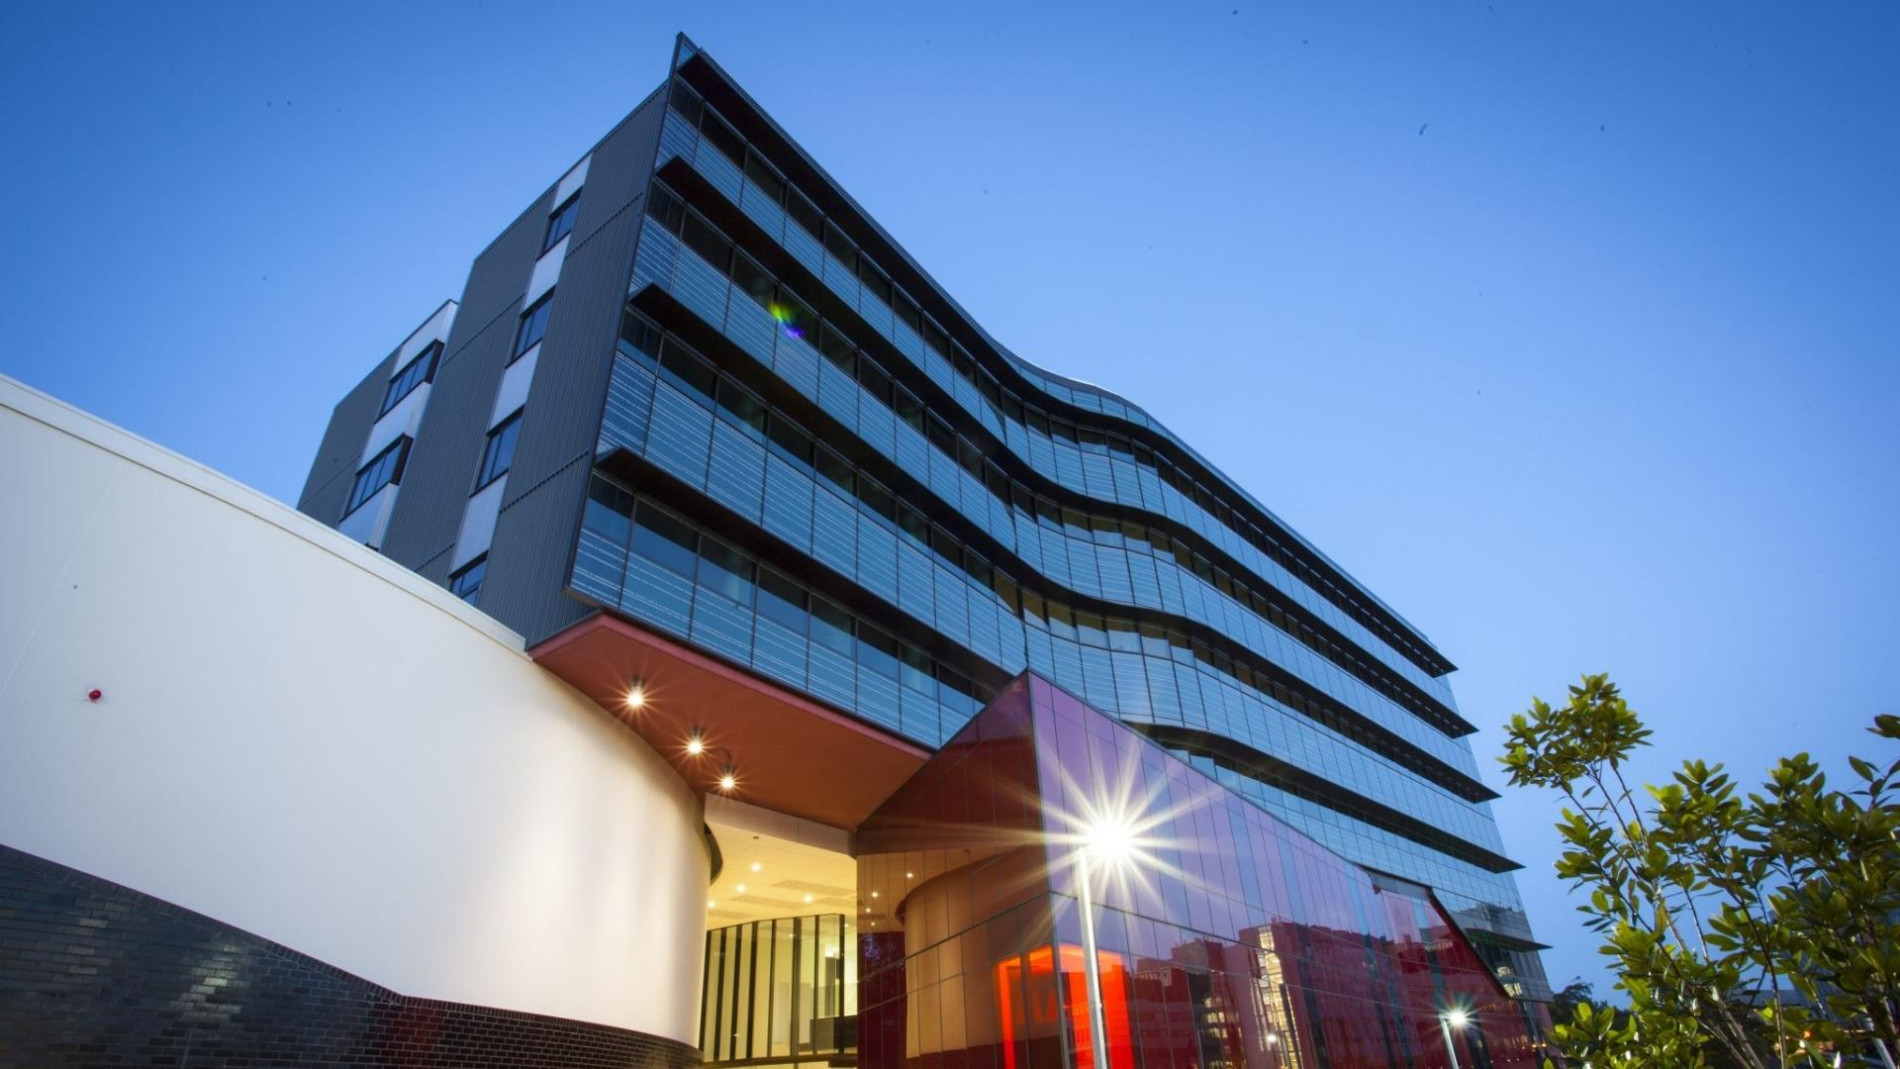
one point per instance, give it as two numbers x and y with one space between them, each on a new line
836 347
384 470
782 601
534 324
874 280
725 571
499 455
709 243
561 223
413 374
831 626
693 375
914 669
664 540
466 583
874 380
789 440
804 213
760 174
840 246
752 279
877 650
740 408
665 208
723 136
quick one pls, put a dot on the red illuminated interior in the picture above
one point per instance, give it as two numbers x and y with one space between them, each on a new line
1022 1012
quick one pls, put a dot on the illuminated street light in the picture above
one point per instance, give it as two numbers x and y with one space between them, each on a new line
1108 841
1457 1018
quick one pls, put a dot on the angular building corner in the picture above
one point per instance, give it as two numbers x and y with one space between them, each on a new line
837 615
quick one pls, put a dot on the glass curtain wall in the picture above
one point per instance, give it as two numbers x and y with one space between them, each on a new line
781 992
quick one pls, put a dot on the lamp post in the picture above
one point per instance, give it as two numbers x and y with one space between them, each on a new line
1446 1022
1107 841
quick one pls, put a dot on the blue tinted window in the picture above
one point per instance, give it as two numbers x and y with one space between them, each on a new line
414 373
688 371
382 471
499 454
561 223
739 407
831 626
467 582
782 601
914 670
666 541
609 511
877 650
534 324
725 571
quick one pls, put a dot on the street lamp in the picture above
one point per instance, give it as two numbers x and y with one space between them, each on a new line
1107 842
1450 1019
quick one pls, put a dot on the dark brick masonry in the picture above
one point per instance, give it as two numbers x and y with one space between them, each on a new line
95 974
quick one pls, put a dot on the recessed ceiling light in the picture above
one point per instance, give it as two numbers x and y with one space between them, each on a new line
808 900
755 866
695 746
741 888
909 875
637 695
873 894
710 903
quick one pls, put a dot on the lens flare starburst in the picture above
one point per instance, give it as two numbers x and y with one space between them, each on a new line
786 318
1119 829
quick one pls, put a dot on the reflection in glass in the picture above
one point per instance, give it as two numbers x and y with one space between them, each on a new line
1233 941
780 991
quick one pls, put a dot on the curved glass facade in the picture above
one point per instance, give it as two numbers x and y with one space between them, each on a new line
810 464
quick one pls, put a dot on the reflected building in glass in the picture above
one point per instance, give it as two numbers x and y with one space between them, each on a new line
738 468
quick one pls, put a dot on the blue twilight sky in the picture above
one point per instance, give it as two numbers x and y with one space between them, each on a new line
1568 329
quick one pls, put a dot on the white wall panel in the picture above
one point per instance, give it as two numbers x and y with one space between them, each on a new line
371 519
404 418
572 180
433 329
304 740
514 385
547 271
478 523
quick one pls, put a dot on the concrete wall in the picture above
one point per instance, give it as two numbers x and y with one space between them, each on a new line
305 740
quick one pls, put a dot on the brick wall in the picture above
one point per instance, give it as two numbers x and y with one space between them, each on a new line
93 973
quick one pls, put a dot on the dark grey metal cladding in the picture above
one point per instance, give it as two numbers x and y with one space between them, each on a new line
327 488
570 375
622 165
540 518
441 471
528 558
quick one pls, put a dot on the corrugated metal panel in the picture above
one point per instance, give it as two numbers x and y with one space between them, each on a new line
570 375
448 448
536 529
500 275
527 563
621 165
328 485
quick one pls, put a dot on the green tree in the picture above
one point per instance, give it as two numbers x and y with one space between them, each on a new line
1576 995
1714 904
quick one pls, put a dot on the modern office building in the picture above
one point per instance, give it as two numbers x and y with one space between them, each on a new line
890 626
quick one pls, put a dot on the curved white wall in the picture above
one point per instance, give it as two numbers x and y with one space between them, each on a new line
306 741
